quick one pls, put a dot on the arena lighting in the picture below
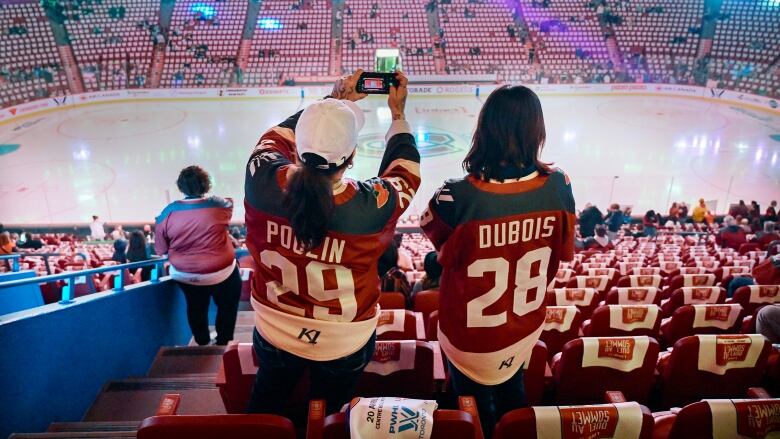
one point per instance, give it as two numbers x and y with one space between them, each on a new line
775 3
207 11
269 23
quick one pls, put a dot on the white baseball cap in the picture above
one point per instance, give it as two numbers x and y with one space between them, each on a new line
327 132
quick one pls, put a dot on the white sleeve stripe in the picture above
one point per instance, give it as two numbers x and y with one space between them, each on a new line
398 127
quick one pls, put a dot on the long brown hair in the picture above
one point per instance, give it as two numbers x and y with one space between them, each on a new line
510 132
308 199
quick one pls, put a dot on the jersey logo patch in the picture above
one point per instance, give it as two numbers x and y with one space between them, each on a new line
381 194
311 335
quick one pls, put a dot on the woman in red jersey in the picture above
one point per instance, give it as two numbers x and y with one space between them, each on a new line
316 237
500 233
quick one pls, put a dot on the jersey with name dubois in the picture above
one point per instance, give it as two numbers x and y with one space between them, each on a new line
321 304
499 245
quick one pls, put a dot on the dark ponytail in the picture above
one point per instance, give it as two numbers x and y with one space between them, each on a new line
309 203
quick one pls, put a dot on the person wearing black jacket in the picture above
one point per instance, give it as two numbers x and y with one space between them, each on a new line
590 217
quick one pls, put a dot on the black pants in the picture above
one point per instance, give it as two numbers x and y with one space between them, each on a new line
493 402
226 295
279 373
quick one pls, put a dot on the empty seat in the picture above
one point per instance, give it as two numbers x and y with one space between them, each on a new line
585 299
692 296
400 324
392 300
599 283
623 320
633 296
426 302
561 325
399 368
212 426
752 297
590 366
689 280
712 366
534 370
627 420
640 280
724 418
701 319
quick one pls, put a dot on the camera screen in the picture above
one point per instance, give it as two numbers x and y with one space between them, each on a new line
373 84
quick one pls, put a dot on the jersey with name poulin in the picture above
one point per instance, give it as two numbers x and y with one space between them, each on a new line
321 304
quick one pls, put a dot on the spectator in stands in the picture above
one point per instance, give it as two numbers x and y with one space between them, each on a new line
118 233
304 216
699 212
614 221
97 229
684 211
768 323
432 274
470 221
650 223
731 235
193 232
138 251
740 210
590 217
120 251
767 235
7 245
754 216
771 212
404 258
148 234
31 241
674 213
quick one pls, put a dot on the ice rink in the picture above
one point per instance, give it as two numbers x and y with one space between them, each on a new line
120 160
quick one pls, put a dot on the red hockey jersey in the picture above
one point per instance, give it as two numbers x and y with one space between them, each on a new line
322 304
499 245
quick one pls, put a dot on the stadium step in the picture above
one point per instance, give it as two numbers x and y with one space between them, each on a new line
136 399
186 360
85 427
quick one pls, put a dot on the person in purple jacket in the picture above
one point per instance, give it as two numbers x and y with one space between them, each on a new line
193 232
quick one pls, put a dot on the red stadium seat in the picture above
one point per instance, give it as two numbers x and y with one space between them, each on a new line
212 426
634 296
724 273
392 300
752 297
634 281
426 302
432 328
400 324
712 366
749 247
585 299
561 325
535 369
600 283
692 296
689 280
623 321
399 368
455 424
702 319
588 367
724 418
627 420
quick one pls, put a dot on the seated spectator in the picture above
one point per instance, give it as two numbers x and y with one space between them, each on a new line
432 274
138 251
404 258
391 277
590 217
740 210
731 235
120 248
614 221
766 236
771 212
699 212
194 234
650 223
30 241
7 245
768 323
674 213
745 224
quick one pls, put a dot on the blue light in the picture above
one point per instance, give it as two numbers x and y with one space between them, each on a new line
206 11
269 23
775 3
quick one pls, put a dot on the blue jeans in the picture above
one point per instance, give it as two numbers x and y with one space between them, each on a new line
279 373
493 402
